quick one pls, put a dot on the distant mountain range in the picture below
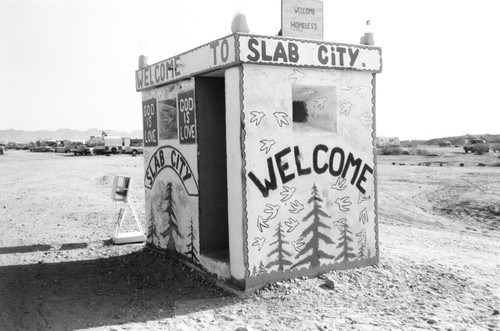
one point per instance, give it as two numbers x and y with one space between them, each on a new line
458 140
22 136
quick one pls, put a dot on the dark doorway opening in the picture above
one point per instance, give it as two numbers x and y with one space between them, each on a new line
212 167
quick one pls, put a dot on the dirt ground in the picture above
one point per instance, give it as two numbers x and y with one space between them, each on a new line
439 226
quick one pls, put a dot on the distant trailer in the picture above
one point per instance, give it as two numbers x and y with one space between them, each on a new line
109 144
387 141
495 146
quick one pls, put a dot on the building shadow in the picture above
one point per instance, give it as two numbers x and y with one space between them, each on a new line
25 249
66 247
134 288
44 248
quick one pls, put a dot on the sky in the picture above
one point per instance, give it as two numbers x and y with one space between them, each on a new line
71 63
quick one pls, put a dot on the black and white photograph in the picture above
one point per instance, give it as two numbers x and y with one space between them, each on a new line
244 165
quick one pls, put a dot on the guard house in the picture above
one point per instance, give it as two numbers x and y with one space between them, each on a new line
259 157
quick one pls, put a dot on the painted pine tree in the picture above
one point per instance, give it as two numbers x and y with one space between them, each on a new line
362 244
280 260
344 240
262 268
313 231
171 218
192 252
361 252
254 271
152 233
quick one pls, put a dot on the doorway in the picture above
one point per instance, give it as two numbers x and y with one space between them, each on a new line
212 167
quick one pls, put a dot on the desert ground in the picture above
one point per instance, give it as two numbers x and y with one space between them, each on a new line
439 225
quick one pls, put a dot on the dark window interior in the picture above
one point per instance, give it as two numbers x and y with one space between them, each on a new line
300 113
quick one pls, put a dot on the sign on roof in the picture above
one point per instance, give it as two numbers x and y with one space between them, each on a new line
284 51
246 48
217 54
302 19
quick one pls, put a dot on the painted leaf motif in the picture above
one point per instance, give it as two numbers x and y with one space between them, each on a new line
291 224
340 224
287 192
256 117
297 75
281 118
343 203
361 236
271 210
366 118
262 223
362 197
344 85
340 184
259 241
362 90
298 244
266 145
363 216
320 102
345 108
297 207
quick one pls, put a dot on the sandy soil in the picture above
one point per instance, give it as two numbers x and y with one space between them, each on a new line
439 240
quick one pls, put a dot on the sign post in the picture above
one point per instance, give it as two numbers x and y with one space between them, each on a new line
120 192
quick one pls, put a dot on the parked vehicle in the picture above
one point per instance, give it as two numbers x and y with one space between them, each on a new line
78 147
108 144
387 142
10 145
476 146
495 147
62 149
42 149
134 147
82 149
43 146
69 146
136 150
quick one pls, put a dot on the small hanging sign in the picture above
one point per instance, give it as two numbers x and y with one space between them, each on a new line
302 19
150 122
121 187
187 114
120 192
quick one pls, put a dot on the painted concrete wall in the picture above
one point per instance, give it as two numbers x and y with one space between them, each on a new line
301 184
309 185
171 180
236 179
